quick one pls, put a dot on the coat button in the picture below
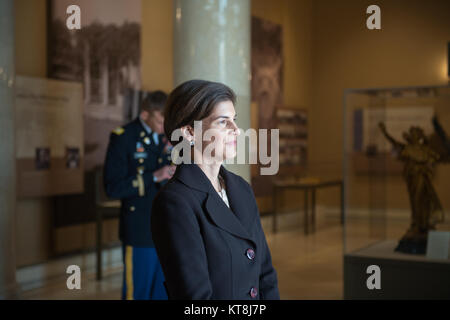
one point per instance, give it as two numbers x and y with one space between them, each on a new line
250 254
253 292
132 208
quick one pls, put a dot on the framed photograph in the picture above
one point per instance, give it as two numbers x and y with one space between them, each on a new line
104 55
72 158
42 159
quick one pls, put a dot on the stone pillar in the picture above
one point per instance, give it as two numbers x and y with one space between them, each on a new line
212 42
7 154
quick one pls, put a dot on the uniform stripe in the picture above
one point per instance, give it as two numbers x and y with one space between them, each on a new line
129 272
141 185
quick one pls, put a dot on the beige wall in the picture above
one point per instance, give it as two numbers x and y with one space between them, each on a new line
409 50
31 37
157 45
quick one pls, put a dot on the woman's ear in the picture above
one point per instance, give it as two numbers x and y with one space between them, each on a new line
188 133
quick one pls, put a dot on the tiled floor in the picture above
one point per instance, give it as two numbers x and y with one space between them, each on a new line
308 266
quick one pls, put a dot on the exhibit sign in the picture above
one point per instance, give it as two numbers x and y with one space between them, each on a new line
292 124
49 137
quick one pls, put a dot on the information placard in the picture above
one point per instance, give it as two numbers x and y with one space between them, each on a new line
49 137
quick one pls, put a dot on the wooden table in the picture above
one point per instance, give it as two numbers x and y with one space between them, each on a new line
306 184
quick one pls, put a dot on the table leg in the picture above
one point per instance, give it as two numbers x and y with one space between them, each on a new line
306 212
99 244
275 209
342 203
313 203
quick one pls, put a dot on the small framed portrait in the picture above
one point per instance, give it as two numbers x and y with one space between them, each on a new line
72 158
42 160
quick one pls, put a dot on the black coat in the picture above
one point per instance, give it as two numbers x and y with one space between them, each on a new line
131 159
203 246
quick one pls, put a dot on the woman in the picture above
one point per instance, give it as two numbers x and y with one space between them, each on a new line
205 221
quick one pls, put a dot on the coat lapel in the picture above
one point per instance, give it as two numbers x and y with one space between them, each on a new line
224 218
233 221
240 201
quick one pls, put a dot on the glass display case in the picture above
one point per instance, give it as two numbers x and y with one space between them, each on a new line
397 185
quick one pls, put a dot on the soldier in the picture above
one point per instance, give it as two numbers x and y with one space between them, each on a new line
136 165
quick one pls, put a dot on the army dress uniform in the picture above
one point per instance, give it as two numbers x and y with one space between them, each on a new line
134 153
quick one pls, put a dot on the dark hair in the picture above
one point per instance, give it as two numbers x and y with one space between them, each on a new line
192 101
155 101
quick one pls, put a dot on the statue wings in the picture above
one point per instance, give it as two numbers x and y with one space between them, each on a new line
440 142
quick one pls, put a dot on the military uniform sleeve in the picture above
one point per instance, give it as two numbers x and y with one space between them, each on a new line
164 159
118 183
180 248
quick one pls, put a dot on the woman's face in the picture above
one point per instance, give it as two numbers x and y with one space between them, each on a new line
220 133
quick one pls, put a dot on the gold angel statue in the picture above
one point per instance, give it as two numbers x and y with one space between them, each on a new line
420 154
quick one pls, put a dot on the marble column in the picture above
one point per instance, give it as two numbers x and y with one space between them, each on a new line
7 154
212 42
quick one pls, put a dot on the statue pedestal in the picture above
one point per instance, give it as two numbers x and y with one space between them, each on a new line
403 276
413 243
412 246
